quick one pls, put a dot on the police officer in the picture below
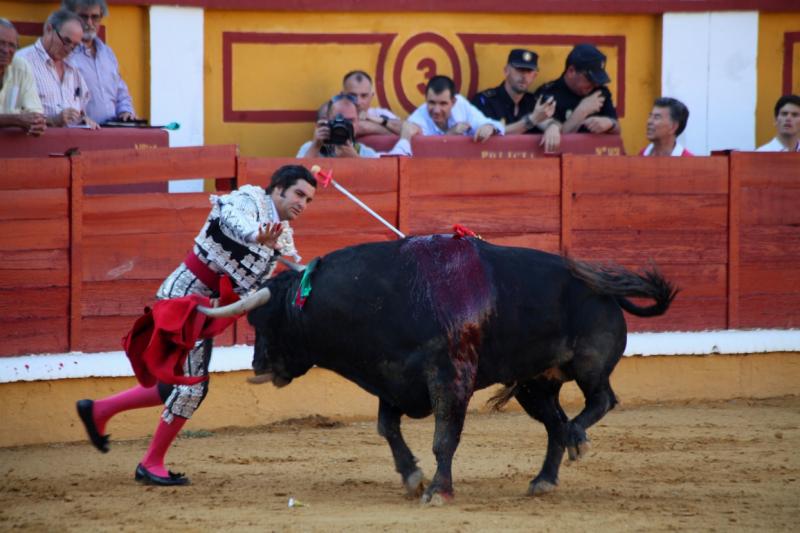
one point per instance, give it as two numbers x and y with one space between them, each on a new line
583 102
511 102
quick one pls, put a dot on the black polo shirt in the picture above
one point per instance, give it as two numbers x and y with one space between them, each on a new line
566 101
497 104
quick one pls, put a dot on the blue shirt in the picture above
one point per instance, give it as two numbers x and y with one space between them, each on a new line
109 93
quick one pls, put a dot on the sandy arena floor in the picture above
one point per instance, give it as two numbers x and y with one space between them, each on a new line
727 466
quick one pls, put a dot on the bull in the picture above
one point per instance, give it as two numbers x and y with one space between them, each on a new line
424 322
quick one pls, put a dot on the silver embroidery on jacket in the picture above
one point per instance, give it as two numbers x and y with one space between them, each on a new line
240 214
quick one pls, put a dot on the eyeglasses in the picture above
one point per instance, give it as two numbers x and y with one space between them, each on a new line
342 96
94 18
68 44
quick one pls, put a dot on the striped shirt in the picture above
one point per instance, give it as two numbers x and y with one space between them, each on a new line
56 94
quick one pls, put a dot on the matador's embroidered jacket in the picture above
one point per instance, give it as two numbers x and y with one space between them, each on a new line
227 241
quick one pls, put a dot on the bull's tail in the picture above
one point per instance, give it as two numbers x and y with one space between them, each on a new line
615 280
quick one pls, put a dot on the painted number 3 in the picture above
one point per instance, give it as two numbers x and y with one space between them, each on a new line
428 66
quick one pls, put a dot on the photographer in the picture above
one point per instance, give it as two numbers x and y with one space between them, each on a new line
335 136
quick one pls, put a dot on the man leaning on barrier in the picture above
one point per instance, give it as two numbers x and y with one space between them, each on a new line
335 135
99 66
511 102
583 102
445 112
20 106
62 89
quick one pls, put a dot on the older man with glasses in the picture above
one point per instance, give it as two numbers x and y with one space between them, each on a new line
99 67
62 89
20 106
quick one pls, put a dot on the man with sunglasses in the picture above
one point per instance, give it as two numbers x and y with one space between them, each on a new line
583 102
62 89
111 100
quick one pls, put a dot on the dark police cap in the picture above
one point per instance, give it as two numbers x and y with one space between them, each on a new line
588 59
519 58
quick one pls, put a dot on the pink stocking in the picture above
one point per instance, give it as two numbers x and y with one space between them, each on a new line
165 433
134 398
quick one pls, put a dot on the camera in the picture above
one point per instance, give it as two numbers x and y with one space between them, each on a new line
341 131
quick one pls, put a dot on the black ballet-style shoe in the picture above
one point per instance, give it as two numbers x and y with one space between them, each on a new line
85 410
146 477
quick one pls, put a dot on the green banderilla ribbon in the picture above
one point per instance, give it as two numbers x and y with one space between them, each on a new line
305 284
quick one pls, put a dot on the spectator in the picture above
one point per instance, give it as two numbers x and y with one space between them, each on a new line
787 124
448 113
99 67
19 100
511 102
372 120
62 90
342 110
667 120
583 102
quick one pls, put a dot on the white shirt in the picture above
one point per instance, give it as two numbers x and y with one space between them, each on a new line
19 93
401 147
378 112
775 145
462 111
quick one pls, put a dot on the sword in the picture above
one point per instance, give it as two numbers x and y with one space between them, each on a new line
326 177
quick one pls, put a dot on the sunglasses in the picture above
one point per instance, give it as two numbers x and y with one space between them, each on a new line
68 44
93 18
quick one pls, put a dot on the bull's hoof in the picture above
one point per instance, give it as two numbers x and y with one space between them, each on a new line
258 379
540 487
437 499
581 451
414 485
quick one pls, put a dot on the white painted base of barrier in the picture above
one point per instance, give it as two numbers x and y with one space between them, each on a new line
234 358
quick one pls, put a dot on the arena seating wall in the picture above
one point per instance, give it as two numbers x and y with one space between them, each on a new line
78 268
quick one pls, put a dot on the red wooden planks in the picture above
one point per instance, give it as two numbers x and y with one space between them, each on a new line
112 167
34 173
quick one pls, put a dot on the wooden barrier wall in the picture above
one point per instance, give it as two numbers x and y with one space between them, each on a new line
673 211
77 268
35 255
131 242
765 240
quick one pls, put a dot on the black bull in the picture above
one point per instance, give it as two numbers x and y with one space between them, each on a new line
424 322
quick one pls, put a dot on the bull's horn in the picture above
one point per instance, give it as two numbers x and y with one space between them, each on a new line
297 267
260 297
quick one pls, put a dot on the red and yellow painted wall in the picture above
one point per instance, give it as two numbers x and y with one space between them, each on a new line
778 66
269 72
267 69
